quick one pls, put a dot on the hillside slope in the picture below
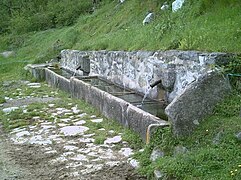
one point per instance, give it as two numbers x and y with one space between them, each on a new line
199 25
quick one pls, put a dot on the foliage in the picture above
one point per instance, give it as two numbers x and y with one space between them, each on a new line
20 17
213 149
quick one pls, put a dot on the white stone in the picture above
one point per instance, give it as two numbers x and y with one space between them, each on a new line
7 54
51 105
86 140
111 131
75 110
127 152
51 152
97 120
80 157
88 135
148 18
79 122
23 133
70 148
93 154
10 109
82 115
177 4
65 120
62 124
39 140
73 130
65 154
112 163
83 150
164 6
75 174
34 84
74 165
115 139
101 129
134 163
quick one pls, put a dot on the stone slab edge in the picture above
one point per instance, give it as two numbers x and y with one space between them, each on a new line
198 100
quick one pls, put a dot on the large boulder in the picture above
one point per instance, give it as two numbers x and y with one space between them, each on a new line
196 102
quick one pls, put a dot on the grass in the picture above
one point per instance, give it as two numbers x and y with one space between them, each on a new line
213 149
200 25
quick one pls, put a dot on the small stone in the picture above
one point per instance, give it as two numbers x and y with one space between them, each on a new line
35 117
158 175
114 140
79 122
180 150
156 154
51 105
101 129
23 133
88 135
111 131
80 157
97 120
217 138
7 54
126 152
51 152
75 110
177 4
70 148
148 18
196 122
112 163
10 109
238 136
134 163
73 130
164 6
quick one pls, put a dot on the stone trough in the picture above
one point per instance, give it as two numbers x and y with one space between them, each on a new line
109 105
190 85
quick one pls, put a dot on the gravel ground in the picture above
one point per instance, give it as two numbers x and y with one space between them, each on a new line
62 148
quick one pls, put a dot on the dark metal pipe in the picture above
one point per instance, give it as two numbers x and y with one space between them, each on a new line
156 83
78 67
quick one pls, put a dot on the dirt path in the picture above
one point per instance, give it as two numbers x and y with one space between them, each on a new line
9 169
61 143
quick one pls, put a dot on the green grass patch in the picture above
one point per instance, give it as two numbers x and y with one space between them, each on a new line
213 149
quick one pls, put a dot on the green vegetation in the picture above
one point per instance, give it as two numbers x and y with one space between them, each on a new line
203 25
213 150
38 30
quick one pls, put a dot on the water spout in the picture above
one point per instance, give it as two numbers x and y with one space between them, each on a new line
84 69
145 96
156 83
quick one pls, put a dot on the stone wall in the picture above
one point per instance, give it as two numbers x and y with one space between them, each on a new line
138 69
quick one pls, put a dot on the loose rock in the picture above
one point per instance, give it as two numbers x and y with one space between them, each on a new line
156 154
